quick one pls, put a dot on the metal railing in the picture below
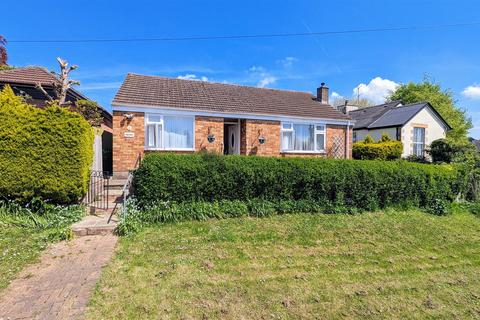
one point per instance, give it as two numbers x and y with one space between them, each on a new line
97 195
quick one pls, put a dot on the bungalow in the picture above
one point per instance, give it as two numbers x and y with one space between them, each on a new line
416 124
24 82
157 114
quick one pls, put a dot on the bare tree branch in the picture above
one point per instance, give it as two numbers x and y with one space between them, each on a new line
39 87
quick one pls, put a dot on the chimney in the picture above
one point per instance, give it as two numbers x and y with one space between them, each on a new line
322 93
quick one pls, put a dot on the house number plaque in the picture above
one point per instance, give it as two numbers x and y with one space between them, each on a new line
129 134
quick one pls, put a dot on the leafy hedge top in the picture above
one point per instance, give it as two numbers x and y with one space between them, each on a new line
44 153
364 184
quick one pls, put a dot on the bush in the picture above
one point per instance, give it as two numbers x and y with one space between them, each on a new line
44 153
364 185
389 150
133 217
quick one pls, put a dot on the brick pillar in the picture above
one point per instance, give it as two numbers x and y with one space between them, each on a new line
128 140
202 127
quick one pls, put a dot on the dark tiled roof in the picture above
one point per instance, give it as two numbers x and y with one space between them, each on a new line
365 116
398 116
28 75
153 91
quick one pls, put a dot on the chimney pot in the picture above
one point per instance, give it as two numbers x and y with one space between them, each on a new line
322 93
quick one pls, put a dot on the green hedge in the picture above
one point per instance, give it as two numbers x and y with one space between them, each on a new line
388 150
361 184
44 153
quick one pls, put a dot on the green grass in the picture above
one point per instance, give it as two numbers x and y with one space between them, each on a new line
375 265
18 247
24 234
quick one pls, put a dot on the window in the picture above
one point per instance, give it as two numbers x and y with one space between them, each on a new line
419 142
169 132
354 136
302 137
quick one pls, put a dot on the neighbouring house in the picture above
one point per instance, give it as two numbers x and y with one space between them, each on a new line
157 114
23 81
416 125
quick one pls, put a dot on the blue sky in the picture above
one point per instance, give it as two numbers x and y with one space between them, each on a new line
450 56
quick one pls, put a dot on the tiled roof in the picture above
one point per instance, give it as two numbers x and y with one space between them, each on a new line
152 91
365 116
392 114
397 116
28 75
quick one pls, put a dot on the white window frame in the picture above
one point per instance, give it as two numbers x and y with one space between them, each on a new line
316 132
162 124
415 143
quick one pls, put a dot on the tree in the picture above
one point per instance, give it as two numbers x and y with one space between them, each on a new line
61 88
3 51
90 111
442 101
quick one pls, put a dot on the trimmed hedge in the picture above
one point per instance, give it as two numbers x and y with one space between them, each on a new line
362 184
44 153
388 150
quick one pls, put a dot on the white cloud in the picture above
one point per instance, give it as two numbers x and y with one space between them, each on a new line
265 81
191 76
472 92
377 90
287 62
336 96
262 76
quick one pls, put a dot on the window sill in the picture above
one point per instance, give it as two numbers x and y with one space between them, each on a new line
303 152
174 150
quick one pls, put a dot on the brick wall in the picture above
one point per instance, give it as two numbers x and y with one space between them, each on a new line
204 125
250 130
126 148
336 141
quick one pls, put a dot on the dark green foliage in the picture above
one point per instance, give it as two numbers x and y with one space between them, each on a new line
441 151
439 207
365 185
90 110
388 150
44 153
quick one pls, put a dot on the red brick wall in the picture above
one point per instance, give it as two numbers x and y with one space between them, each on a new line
336 141
250 130
204 125
125 149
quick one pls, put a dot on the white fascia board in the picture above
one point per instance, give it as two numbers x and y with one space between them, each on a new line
189 112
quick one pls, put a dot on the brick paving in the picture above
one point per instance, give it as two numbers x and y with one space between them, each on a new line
60 285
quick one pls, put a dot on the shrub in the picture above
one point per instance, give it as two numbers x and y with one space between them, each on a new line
44 153
133 217
364 185
389 150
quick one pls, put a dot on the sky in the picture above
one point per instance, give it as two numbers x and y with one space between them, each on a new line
371 63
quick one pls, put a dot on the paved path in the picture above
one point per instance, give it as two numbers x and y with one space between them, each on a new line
60 285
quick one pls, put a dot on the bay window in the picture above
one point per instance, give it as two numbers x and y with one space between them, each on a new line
169 132
302 137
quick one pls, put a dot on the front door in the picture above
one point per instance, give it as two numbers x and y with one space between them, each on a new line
233 139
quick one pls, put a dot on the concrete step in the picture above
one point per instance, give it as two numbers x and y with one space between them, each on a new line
117 182
97 224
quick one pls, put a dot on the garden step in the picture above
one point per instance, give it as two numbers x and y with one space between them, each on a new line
98 224
117 182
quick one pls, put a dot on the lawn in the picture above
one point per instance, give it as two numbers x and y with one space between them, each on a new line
376 265
24 234
18 247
